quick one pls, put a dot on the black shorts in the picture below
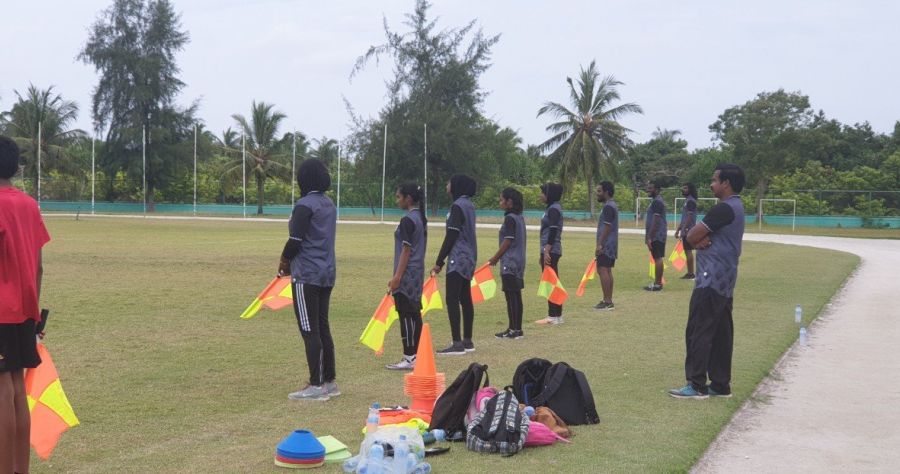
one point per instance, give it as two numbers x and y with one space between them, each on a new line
512 282
405 306
605 261
685 243
658 249
18 347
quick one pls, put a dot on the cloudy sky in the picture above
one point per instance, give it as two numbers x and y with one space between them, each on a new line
683 62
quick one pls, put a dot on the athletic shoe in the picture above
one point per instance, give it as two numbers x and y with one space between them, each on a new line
310 392
454 349
604 306
332 389
550 320
404 364
713 393
688 391
653 287
468 345
688 276
510 334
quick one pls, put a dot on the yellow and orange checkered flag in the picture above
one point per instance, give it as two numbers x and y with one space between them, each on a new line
276 295
589 274
678 259
484 287
51 413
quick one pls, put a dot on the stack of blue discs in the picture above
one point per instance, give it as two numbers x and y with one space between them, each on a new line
300 450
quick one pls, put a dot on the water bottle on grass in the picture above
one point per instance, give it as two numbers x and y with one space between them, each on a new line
798 314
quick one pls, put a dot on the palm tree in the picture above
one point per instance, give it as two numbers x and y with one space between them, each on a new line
262 145
326 151
47 110
588 137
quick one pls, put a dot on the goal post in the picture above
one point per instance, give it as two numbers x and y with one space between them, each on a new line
637 209
793 215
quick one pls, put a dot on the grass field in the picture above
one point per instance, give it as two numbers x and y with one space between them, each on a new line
166 378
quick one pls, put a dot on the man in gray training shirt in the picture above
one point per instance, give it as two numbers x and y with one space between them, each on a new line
709 336
655 227
607 243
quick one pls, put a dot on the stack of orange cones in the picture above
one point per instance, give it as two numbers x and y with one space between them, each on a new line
424 385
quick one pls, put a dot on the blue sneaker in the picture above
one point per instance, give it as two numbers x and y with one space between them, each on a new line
713 393
688 391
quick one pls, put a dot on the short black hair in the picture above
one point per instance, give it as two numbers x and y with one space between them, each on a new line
692 189
515 196
655 183
608 188
313 176
733 174
9 158
553 192
462 185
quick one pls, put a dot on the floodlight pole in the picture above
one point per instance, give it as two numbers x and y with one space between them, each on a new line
425 161
39 166
195 169
93 174
144 164
339 184
244 173
383 171
293 165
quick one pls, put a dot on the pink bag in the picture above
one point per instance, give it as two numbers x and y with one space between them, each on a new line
479 400
540 435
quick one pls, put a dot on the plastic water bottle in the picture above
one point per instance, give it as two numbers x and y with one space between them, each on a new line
435 435
411 461
798 314
401 456
422 468
804 338
351 464
374 461
373 419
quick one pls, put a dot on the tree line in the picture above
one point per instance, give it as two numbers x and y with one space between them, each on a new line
434 103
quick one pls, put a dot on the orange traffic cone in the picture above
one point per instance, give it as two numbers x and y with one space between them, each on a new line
425 356
424 385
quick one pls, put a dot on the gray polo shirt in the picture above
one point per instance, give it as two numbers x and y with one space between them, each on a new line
552 218
465 250
717 264
411 233
657 208
609 216
513 261
314 264
689 214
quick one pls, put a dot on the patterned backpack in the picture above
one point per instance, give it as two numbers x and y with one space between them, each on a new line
501 427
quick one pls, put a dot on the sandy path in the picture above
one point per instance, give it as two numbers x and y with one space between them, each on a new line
833 405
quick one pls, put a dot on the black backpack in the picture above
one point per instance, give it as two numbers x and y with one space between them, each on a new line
500 428
528 381
566 392
450 408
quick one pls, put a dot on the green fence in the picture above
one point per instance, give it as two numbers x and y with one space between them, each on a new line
626 218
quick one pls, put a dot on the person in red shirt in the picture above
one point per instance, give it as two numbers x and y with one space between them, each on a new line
22 235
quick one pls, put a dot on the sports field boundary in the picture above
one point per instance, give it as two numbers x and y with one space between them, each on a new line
795 420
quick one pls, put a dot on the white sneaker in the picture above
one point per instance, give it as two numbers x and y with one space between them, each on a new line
550 320
332 389
310 392
404 364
